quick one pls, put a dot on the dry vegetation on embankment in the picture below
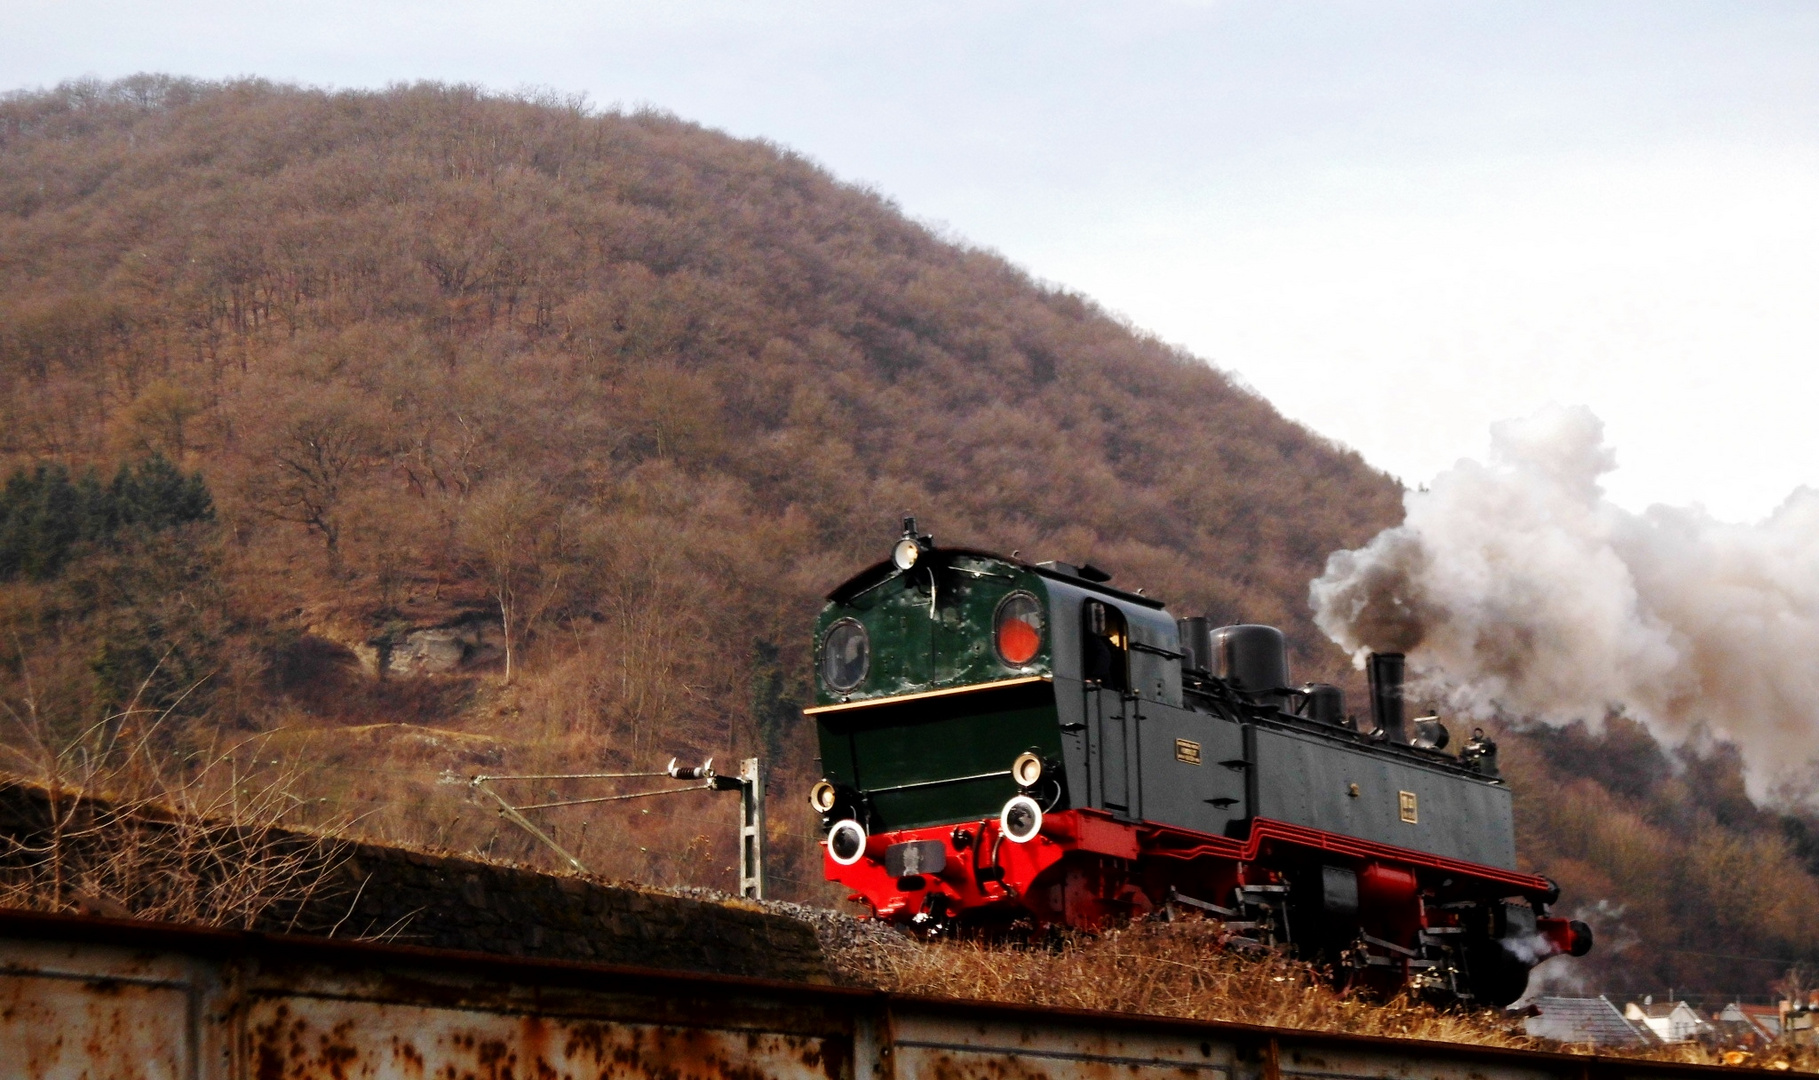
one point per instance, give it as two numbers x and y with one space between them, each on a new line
1181 970
130 844
1158 969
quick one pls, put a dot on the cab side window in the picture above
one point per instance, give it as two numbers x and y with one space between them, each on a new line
1106 640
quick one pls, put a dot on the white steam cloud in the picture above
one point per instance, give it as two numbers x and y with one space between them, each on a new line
1515 586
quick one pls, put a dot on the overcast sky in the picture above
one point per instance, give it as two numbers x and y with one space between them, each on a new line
1399 222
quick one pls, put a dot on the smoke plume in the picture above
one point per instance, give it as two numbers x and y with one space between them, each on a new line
1514 586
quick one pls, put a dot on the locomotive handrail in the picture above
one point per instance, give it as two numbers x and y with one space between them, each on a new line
946 691
937 783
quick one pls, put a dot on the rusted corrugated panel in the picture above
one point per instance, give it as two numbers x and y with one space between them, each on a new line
1340 1062
985 1046
953 1046
105 1000
301 1038
77 1011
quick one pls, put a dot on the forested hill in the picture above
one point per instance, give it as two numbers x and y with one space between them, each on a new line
452 299
372 439
477 379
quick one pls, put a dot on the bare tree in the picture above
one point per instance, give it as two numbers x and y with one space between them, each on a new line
107 821
312 463
511 532
159 421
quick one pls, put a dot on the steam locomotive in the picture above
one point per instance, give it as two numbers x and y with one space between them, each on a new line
1006 742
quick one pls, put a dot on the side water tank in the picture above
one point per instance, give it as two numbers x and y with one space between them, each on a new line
1251 658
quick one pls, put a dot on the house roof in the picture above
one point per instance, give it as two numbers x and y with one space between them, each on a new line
1764 1018
1582 1020
1661 1010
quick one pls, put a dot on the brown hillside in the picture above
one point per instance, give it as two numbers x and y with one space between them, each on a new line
653 388
490 293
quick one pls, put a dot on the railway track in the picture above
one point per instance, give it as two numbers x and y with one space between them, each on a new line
107 999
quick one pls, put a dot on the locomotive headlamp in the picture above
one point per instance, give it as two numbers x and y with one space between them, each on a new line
1027 769
1021 820
822 796
846 842
908 550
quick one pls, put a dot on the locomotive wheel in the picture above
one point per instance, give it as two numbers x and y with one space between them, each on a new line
934 920
1497 978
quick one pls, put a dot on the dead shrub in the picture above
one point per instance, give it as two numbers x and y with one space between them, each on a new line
111 823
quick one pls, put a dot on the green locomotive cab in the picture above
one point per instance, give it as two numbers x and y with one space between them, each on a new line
937 670
934 676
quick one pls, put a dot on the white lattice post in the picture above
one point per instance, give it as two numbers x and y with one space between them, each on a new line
751 829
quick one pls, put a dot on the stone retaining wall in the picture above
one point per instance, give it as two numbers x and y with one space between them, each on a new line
372 891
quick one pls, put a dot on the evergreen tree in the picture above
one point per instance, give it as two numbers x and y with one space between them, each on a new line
41 517
45 515
776 701
155 495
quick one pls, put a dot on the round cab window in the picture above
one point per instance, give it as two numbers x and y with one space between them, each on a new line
1019 633
845 654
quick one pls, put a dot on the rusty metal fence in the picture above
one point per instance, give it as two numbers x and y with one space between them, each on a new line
82 998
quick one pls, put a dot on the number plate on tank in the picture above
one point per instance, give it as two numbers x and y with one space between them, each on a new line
915 857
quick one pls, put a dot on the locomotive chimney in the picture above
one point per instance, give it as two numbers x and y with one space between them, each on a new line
1385 669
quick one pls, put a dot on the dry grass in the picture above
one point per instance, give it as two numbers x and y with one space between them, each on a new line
119 821
67 850
1160 969
1182 970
